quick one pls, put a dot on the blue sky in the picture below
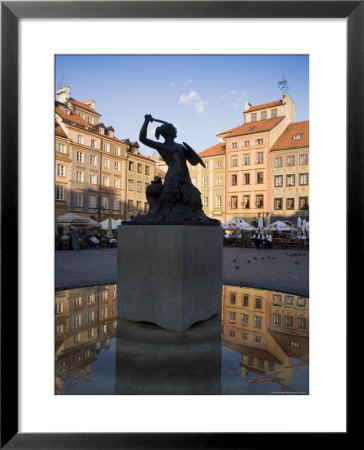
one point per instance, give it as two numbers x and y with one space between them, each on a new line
201 95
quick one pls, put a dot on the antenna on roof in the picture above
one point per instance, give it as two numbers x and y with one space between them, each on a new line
283 85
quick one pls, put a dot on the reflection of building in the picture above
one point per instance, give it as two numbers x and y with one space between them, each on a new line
107 176
253 327
290 172
85 322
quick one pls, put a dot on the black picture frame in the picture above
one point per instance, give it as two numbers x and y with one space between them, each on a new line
11 12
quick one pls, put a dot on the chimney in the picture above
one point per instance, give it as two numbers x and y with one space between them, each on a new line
91 103
63 94
247 105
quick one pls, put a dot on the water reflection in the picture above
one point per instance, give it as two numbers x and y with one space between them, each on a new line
259 345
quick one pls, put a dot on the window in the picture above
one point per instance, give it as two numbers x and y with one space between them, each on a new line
303 202
278 161
218 201
288 299
234 180
90 120
234 145
193 181
146 207
260 158
258 302
139 168
263 115
61 170
259 177
246 178
232 298
206 164
139 186
147 170
252 128
253 117
93 178
90 316
297 136
271 365
303 159
205 181
244 336
260 361
130 185
246 160
251 360
139 206
105 181
116 204
218 181
278 181
288 321
259 201
258 322
111 133
81 114
117 150
278 203
219 164
246 300
107 147
277 319
93 160
93 143
290 203
59 308
79 176
105 202
301 301
260 141
246 201
92 201
102 130
117 166
131 166
79 199
59 329
67 111
80 139
258 339
244 319
302 323
246 143
130 205
234 202
76 339
77 320
79 156
290 160
232 317
234 160
61 148
273 113
116 182
205 202
231 333
277 299
303 179
290 180
106 163
103 313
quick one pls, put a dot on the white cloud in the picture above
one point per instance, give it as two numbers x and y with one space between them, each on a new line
188 81
194 98
238 95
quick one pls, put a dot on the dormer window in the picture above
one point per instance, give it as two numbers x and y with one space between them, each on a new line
254 117
102 130
252 128
111 133
297 136
263 115
90 120
67 111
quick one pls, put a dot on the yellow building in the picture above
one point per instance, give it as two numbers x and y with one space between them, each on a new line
62 169
290 173
210 181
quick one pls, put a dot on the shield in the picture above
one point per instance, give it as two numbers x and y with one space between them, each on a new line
192 156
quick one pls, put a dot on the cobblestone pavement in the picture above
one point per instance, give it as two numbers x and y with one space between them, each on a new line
275 269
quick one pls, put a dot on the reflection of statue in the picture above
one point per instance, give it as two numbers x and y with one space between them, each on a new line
177 200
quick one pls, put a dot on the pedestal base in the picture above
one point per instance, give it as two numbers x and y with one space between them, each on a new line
170 275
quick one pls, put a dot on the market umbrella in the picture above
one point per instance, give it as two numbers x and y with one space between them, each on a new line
114 223
299 222
279 226
72 219
245 226
260 223
230 224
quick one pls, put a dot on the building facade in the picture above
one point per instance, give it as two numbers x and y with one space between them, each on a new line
100 181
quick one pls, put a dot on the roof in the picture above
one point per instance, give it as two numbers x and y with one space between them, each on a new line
72 117
259 126
59 130
83 106
264 106
286 141
215 150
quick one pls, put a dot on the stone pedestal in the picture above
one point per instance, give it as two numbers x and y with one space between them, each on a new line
169 275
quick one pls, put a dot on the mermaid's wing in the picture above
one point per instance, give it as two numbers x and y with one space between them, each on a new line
192 156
